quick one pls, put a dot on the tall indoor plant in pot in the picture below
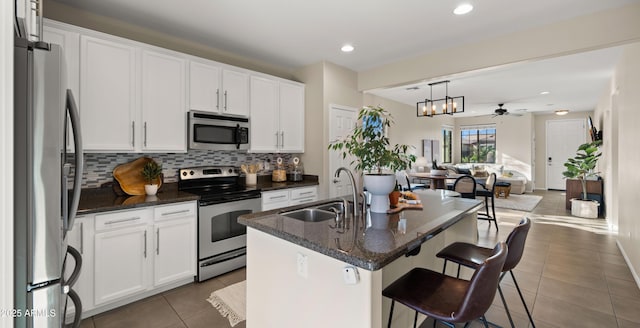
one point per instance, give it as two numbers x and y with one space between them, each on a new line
373 154
581 167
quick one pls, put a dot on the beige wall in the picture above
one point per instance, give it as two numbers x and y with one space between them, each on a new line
71 15
625 107
540 162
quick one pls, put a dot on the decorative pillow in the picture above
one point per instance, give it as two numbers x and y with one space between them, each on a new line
464 171
480 173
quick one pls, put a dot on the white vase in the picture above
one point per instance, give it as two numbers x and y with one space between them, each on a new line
151 190
379 186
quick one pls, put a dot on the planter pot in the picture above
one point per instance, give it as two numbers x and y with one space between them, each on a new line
379 186
151 190
584 208
438 172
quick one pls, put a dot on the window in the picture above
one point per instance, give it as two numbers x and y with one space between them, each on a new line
478 144
447 143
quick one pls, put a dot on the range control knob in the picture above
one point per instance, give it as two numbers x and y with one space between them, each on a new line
192 173
184 173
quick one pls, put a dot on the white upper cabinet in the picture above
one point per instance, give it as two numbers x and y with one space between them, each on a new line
277 115
108 94
218 89
163 102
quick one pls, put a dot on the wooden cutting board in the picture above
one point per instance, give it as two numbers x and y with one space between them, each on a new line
404 206
129 176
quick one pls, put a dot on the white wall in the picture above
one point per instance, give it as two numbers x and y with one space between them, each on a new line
6 160
626 105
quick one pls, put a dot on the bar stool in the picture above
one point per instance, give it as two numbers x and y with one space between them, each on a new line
487 191
447 299
472 256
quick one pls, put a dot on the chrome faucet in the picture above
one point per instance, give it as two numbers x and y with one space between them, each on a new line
354 191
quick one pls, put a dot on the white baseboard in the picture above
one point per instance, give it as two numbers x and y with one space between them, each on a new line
626 259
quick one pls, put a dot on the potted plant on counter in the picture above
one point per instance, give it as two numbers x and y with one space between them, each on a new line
373 154
151 171
581 167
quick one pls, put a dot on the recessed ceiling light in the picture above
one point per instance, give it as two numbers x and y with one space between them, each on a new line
562 112
462 9
545 92
347 48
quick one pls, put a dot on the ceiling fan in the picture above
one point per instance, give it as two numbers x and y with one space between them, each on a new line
503 111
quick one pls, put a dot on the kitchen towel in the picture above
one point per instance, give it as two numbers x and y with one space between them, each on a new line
231 302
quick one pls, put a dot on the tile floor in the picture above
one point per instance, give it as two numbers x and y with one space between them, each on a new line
572 275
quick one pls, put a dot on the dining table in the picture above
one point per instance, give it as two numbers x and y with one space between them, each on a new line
437 181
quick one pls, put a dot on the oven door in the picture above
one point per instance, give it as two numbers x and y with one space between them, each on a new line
218 228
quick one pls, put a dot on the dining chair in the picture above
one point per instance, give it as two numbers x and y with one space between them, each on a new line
486 190
466 186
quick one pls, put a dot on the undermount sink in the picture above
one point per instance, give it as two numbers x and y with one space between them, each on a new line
310 215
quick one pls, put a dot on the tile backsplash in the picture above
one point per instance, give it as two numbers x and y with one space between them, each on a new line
99 166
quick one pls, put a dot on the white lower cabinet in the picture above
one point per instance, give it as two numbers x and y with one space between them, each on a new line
121 254
288 197
80 238
131 254
175 243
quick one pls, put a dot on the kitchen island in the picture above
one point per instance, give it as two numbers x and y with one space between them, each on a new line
301 274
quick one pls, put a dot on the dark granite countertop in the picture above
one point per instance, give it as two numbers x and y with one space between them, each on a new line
94 200
382 239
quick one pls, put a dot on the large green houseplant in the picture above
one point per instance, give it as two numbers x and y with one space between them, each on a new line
581 167
372 153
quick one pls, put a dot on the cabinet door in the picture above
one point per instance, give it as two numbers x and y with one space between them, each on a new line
123 260
70 43
235 96
275 199
265 136
291 98
81 238
175 250
107 98
204 87
163 102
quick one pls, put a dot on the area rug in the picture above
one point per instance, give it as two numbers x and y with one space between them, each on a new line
231 302
518 202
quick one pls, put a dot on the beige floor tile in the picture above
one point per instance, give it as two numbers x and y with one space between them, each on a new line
190 299
574 294
562 314
627 308
154 313
623 288
209 318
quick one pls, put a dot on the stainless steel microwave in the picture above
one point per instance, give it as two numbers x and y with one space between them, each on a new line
209 131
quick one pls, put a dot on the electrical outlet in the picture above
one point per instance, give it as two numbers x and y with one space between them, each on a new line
302 264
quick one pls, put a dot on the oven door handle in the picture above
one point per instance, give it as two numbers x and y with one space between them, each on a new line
239 198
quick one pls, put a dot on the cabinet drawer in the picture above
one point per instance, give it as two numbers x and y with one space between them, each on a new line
275 196
306 192
122 219
303 200
174 211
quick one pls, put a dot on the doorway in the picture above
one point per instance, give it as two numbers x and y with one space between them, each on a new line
342 121
563 139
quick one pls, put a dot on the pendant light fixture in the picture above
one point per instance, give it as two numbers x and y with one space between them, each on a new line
448 105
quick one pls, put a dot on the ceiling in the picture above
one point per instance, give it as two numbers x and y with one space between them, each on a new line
293 33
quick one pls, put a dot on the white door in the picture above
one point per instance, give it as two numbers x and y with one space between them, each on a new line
563 139
204 87
291 118
175 250
342 121
235 97
264 115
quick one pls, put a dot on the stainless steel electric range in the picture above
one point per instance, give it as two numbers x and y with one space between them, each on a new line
223 197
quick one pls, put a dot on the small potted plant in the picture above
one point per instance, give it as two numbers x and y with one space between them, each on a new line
151 171
582 167
394 196
373 153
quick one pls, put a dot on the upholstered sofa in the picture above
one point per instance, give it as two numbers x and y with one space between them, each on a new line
517 180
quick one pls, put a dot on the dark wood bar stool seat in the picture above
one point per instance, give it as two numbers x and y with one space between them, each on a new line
473 256
448 299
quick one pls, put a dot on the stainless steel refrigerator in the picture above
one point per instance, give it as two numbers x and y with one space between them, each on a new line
44 207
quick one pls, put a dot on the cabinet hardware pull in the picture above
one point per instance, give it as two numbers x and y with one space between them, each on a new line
306 193
145 134
133 133
174 212
282 137
277 197
82 238
158 241
145 244
277 140
123 220
225 100
217 98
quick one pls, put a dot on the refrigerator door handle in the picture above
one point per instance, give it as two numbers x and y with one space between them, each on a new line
78 266
77 304
79 157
